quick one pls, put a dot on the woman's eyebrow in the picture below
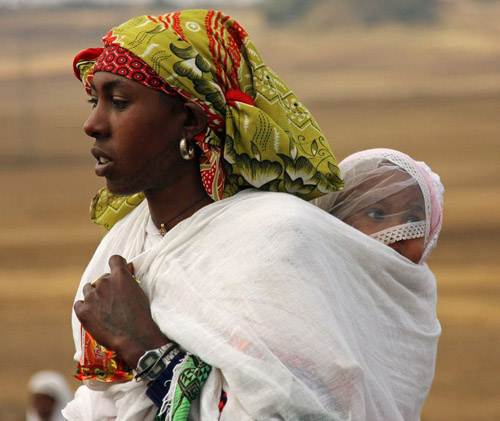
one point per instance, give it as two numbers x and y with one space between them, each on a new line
109 86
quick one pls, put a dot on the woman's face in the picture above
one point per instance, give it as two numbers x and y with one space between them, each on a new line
399 208
136 131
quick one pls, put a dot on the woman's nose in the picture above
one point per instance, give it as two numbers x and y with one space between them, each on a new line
96 125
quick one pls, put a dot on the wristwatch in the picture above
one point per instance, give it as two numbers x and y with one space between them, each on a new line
154 361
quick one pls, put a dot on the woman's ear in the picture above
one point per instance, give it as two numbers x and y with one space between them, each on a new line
196 121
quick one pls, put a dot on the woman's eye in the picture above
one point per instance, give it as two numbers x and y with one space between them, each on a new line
375 213
93 102
119 104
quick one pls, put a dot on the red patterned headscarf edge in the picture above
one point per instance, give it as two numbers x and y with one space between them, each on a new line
119 61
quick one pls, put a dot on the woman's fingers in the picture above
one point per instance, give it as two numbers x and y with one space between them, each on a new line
131 268
77 307
117 262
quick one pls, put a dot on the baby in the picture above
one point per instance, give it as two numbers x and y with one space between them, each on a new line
391 198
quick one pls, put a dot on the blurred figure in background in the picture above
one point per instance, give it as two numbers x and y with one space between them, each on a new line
49 393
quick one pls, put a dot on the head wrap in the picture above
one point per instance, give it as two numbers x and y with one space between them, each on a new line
375 174
259 134
53 384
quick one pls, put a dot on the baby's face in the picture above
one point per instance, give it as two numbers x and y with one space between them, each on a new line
402 207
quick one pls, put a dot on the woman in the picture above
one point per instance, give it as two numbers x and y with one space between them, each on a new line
242 298
392 198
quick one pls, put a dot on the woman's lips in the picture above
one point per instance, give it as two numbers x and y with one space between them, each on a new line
103 164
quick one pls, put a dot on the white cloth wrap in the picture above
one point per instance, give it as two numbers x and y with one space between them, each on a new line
301 316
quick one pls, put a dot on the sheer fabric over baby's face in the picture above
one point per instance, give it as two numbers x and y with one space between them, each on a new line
390 197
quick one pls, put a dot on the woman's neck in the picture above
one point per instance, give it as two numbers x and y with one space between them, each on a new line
165 225
171 205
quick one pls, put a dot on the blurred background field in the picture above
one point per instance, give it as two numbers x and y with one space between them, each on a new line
428 86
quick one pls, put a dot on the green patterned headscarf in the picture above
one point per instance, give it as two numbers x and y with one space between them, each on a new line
259 134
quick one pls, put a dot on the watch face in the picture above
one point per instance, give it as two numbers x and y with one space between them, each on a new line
156 370
148 359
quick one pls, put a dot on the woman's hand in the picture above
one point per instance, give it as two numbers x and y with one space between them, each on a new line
116 312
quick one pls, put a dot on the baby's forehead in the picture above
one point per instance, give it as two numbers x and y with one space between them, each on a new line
410 196
383 176
389 184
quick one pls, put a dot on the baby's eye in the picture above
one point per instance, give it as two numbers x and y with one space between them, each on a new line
413 218
375 213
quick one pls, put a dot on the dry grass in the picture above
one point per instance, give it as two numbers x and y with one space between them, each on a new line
431 92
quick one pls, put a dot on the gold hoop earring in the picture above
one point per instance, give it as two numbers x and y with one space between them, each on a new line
187 149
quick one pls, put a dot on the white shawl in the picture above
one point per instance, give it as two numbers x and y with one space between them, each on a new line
300 315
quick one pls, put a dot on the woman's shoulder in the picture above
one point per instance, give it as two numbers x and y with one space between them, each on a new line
258 202
264 213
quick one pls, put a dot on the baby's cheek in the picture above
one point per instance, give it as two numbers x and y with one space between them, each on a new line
414 249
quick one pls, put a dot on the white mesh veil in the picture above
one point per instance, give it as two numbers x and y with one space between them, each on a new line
374 177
